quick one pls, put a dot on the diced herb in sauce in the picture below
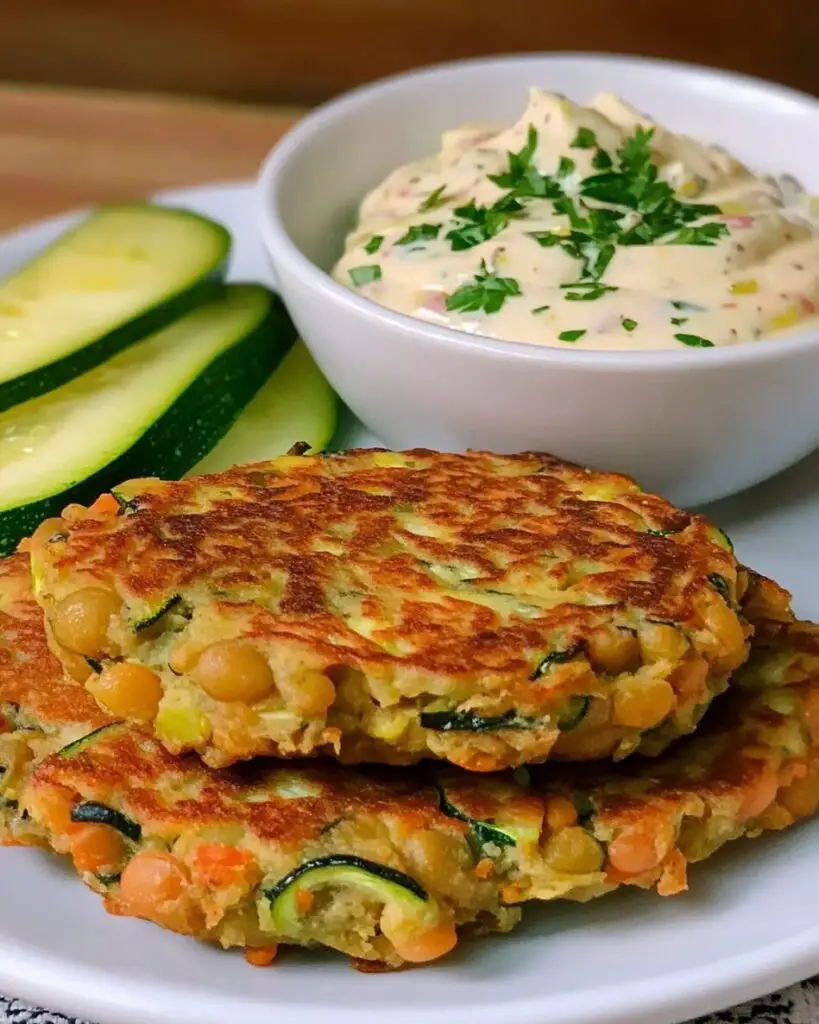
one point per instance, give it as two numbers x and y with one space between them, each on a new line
687 307
601 161
565 167
364 275
694 341
419 233
487 293
629 325
589 291
519 163
678 321
585 139
571 335
374 244
481 222
541 309
435 199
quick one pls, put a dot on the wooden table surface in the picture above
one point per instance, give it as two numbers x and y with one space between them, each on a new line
61 149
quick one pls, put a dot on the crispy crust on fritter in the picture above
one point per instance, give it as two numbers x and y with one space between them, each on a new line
477 844
40 709
503 587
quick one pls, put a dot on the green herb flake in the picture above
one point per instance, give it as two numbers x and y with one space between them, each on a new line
689 307
519 163
541 309
435 199
629 325
374 244
571 335
589 294
694 341
486 293
585 139
480 223
565 167
678 321
364 275
601 161
419 233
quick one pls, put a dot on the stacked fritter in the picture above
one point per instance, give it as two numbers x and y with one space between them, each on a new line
413 609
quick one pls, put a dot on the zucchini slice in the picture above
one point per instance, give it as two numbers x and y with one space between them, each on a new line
155 614
514 821
378 880
100 814
471 721
576 711
152 410
556 658
84 742
123 272
296 404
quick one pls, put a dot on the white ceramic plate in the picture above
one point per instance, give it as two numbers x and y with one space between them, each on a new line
749 925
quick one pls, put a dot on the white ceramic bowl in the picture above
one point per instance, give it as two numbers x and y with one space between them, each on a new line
694 425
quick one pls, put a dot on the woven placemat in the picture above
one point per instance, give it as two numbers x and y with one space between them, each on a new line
798 1004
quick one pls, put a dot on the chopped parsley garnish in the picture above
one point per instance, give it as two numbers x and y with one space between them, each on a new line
480 223
519 163
690 307
374 244
585 139
486 293
629 325
419 233
678 321
571 335
602 161
541 309
435 199
694 341
364 275
565 167
590 290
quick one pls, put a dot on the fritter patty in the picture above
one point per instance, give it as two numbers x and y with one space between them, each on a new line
390 865
40 709
489 610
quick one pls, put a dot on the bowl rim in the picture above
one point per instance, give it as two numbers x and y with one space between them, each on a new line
278 241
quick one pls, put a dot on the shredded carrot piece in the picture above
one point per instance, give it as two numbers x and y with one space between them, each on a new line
511 894
261 957
218 865
105 505
304 901
484 868
674 878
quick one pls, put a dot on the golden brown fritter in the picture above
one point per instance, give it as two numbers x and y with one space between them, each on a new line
40 710
490 610
390 865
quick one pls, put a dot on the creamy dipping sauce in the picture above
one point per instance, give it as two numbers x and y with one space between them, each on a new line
590 227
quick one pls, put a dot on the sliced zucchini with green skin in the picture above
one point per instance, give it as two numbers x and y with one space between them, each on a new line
156 614
720 584
84 742
557 658
152 410
342 870
123 272
576 711
471 721
296 404
94 813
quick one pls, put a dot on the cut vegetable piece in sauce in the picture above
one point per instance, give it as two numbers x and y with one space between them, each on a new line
120 274
694 341
365 275
152 410
296 404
